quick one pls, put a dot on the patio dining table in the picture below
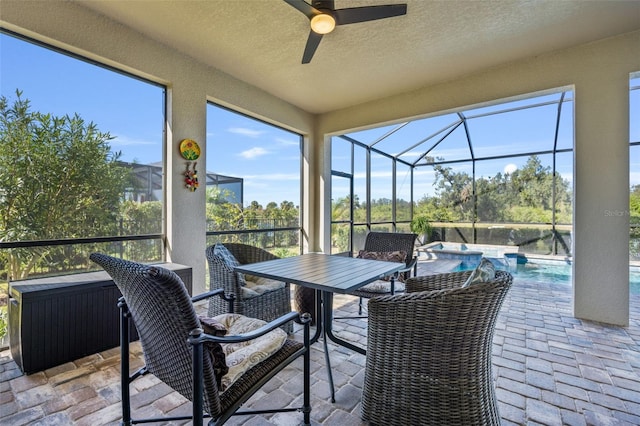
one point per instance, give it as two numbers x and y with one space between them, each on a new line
327 275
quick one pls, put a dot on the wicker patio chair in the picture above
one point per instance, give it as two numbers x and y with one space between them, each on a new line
388 242
178 352
267 305
429 353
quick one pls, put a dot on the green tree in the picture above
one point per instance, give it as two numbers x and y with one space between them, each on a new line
533 183
381 209
634 204
526 195
340 208
455 191
532 187
139 219
58 179
271 211
433 208
634 221
221 214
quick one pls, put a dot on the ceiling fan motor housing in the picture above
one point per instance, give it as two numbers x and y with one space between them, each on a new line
324 17
327 5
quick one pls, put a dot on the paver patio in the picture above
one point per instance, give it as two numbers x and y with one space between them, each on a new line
550 368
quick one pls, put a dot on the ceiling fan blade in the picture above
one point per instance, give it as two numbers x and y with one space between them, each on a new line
308 10
312 44
368 13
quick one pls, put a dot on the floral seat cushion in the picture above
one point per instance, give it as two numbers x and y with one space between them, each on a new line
240 357
382 287
255 286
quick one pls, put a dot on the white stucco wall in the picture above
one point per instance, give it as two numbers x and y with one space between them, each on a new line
599 74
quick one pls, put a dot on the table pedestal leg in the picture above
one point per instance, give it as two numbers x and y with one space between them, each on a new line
324 303
324 326
327 320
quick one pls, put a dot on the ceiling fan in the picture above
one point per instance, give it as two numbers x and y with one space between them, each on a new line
324 17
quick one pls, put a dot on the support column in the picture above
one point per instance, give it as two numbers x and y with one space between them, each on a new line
601 196
185 210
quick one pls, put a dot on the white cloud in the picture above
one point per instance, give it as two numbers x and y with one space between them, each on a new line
412 154
272 177
287 142
246 132
254 152
126 141
424 171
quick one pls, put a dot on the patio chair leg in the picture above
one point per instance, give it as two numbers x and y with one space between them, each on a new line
306 408
124 362
198 379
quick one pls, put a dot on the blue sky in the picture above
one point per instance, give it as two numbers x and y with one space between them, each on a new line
130 111
267 157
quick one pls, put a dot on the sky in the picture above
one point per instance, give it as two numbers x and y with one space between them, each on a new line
132 111
267 157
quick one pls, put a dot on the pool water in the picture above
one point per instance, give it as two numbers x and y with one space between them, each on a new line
559 273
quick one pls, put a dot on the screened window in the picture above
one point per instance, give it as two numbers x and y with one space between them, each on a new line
265 161
499 174
82 161
361 194
634 168
403 192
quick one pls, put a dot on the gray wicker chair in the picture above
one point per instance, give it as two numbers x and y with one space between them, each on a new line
177 351
429 353
386 242
267 306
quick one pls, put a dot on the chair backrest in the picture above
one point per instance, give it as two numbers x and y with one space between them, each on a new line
246 253
446 337
164 316
222 273
391 241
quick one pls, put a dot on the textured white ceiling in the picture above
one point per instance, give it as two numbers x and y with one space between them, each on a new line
261 41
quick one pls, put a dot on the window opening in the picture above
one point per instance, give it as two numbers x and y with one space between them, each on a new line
462 164
81 160
264 162
94 179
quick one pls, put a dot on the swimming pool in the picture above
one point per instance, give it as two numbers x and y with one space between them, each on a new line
552 271
469 255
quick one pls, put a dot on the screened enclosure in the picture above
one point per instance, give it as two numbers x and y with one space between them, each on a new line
498 174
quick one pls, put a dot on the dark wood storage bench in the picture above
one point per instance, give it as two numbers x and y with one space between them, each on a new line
55 320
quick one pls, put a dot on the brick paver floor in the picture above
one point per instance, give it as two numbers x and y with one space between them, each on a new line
550 369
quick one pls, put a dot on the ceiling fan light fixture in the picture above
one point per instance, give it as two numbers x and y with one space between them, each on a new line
323 23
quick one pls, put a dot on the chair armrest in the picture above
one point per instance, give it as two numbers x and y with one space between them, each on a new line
217 292
208 294
278 322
